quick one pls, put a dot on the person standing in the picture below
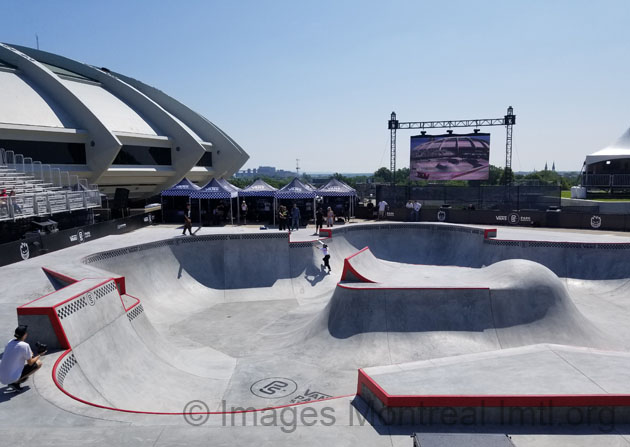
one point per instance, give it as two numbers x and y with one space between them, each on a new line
282 218
417 206
295 217
18 362
319 220
330 217
410 211
382 207
244 212
187 220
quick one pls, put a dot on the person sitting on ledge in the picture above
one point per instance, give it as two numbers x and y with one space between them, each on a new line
18 361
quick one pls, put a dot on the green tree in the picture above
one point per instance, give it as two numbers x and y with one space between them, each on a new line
382 175
507 176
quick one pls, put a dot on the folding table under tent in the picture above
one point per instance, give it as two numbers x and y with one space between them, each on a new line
215 190
182 189
260 188
337 188
297 190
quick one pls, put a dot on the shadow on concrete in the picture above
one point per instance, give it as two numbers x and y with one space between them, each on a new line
444 420
315 276
8 393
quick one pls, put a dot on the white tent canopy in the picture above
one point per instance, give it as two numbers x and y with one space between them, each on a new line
617 150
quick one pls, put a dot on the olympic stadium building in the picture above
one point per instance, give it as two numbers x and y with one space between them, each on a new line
111 129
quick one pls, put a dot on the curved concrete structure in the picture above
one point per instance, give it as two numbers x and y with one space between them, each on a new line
50 98
252 320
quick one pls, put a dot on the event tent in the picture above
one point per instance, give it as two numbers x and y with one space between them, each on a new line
183 189
297 190
337 188
618 150
215 189
260 188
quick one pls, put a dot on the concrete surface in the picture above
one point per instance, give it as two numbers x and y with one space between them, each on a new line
229 309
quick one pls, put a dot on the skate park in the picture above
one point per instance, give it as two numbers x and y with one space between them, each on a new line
478 287
202 327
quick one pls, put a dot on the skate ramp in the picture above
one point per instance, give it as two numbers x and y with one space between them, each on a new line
118 360
521 301
437 291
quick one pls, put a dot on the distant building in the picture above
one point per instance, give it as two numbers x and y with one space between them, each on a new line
267 171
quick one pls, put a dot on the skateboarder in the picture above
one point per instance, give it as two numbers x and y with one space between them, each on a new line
18 361
326 258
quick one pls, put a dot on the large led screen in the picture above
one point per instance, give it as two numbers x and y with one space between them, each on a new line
450 157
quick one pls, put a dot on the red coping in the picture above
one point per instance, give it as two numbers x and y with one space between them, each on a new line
30 309
489 233
178 413
328 231
348 269
481 400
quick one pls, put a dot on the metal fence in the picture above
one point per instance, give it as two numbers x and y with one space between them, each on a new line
606 180
479 197
35 189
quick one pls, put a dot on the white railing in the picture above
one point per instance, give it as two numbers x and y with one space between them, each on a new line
33 189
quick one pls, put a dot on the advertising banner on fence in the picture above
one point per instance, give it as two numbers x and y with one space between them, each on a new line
450 157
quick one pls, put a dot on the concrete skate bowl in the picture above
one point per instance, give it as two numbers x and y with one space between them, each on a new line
489 295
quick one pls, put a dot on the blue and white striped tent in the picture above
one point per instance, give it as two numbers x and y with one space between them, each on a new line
215 189
336 188
183 189
259 188
296 190
227 185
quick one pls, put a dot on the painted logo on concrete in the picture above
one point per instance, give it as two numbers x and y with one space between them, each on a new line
90 299
273 387
441 216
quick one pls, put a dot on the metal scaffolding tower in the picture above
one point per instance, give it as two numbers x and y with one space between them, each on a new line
508 121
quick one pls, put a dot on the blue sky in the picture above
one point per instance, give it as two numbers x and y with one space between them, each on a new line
318 80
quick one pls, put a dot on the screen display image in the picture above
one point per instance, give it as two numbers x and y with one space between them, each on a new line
450 157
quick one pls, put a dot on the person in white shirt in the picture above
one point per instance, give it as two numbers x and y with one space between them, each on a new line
244 212
326 258
410 211
417 206
382 205
18 361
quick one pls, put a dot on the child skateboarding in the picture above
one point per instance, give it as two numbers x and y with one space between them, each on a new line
326 258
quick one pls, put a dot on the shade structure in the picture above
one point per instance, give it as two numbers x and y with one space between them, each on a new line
296 190
336 188
183 189
618 150
259 188
227 185
215 190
